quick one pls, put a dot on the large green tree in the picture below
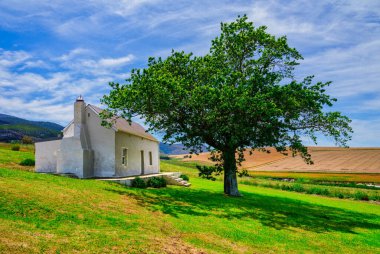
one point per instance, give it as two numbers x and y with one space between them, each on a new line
241 95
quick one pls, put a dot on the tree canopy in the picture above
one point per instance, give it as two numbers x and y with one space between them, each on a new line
241 95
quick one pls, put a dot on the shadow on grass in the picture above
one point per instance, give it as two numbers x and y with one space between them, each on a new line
275 212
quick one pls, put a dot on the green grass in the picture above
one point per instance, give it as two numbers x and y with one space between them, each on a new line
330 190
51 214
12 159
321 176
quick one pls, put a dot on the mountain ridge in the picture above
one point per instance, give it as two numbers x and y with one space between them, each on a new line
14 128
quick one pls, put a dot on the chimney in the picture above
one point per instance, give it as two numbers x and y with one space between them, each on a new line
79 111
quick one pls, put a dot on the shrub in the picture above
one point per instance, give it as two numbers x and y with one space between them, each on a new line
298 188
164 156
27 140
325 192
340 195
15 147
184 177
27 162
156 182
314 190
138 183
359 195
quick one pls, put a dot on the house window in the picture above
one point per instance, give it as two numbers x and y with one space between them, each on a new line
150 158
124 156
88 114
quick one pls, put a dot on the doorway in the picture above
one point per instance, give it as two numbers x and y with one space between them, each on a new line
142 162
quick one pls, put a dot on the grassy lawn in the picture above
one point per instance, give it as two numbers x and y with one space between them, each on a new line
11 159
52 214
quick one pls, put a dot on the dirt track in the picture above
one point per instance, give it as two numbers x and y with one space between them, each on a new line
326 159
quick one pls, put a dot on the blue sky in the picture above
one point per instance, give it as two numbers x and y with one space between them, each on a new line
52 51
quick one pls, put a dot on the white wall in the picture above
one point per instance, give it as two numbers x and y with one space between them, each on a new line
69 130
46 156
102 142
70 157
135 144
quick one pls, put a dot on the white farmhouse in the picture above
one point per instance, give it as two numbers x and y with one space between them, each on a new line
88 149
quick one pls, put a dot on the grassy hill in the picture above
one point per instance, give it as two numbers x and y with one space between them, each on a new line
14 128
51 214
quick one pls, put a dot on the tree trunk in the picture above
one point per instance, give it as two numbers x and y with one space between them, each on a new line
230 181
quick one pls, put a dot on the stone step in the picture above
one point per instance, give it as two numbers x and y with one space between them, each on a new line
187 184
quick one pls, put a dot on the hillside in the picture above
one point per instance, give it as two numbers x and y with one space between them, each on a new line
175 149
14 128
326 159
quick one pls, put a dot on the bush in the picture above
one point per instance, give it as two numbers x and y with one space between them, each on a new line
184 177
138 183
298 188
156 182
15 147
27 162
27 140
164 156
340 195
359 195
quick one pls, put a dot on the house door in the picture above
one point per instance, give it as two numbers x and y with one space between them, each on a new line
142 162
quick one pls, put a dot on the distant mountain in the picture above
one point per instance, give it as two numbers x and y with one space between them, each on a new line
175 149
14 128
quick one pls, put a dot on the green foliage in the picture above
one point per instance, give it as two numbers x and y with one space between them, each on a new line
27 162
185 177
208 172
28 130
164 156
156 182
27 140
15 147
243 173
242 94
359 195
138 183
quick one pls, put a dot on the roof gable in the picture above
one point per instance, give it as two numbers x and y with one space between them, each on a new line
123 125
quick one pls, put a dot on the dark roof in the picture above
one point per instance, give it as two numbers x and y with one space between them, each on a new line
123 125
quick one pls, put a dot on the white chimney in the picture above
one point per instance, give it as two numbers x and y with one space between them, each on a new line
79 111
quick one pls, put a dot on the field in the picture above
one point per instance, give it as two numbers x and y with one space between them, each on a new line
326 159
51 214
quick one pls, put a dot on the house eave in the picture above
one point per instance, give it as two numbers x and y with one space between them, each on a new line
140 136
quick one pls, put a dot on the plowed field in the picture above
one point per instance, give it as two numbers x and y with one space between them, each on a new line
326 159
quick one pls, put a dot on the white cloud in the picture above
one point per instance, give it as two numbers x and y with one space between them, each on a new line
12 58
49 96
115 62
353 70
